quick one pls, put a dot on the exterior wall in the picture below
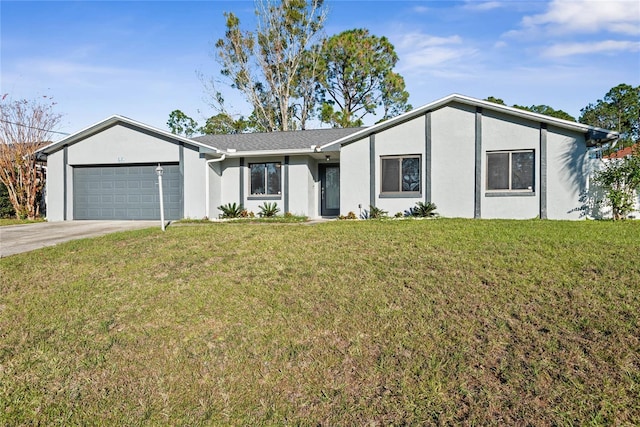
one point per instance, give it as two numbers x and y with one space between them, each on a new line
501 132
354 177
225 187
193 173
123 145
453 160
301 187
457 179
228 190
55 186
568 169
407 138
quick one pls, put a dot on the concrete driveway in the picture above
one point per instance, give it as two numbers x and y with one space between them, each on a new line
15 239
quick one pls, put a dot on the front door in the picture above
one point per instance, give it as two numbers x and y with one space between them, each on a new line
330 190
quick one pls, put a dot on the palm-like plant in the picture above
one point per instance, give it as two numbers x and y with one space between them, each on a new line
231 210
268 210
424 210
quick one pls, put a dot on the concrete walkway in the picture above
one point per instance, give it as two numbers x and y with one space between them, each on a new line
15 239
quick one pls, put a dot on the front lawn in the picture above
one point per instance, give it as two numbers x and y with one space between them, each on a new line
342 323
14 221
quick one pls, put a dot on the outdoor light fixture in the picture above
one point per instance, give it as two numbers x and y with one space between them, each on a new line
328 158
159 172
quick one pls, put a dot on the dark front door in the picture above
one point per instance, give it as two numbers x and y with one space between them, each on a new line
330 190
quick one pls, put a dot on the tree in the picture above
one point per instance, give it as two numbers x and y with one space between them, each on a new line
619 110
540 109
357 77
181 124
224 124
495 100
619 179
263 65
25 126
547 111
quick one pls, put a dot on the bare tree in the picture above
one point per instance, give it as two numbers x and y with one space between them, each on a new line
25 126
264 64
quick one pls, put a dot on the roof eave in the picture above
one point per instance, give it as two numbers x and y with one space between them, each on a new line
112 121
256 153
462 99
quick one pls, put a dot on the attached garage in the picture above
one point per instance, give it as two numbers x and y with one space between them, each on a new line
126 192
108 172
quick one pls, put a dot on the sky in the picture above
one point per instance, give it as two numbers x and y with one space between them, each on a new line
144 59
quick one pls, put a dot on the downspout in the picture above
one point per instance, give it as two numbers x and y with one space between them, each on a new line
207 185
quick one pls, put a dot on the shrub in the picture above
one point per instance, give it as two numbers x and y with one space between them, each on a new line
247 214
268 210
424 210
6 208
374 213
350 215
231 210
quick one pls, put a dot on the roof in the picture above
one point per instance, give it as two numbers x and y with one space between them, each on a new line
270 141
623 152
595 135
112 121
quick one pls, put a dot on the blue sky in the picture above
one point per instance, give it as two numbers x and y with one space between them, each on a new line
141 59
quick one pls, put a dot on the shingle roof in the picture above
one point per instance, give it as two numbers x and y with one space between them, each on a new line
290 140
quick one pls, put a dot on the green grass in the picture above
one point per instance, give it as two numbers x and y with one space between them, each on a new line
14 221
341 323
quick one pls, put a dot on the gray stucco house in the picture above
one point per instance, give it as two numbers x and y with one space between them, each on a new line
472 158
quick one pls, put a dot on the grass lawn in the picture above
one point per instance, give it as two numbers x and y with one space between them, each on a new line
14 221
343 323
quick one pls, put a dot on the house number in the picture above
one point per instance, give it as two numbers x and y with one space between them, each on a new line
120 159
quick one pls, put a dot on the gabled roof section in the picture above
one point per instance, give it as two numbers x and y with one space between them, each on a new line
593 134
296 141
113 121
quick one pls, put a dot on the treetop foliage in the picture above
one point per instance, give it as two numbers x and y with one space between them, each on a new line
540 109
619 110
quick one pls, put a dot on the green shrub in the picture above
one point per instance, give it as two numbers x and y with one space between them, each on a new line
6 208
424 210
268 210
231 210
374 213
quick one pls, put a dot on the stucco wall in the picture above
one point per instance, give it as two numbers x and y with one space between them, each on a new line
193 170
123 145
55 186
453 160
300 186
452 176
354 177
405 139
502 132
568 168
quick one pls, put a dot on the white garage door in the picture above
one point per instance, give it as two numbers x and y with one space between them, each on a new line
126 192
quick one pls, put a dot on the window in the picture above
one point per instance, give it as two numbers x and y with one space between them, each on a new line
265 179
401 174
510 171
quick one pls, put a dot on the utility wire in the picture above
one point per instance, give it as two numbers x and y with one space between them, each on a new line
32 127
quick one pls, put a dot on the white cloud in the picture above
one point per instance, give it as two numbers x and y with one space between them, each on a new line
424 53
588 16
483 5
602 47
420 9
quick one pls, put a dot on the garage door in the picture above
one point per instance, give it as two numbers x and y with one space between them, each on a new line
126 192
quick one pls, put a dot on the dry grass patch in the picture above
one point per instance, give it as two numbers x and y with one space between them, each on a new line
399 322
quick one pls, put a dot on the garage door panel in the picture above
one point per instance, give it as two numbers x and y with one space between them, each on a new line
126 192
